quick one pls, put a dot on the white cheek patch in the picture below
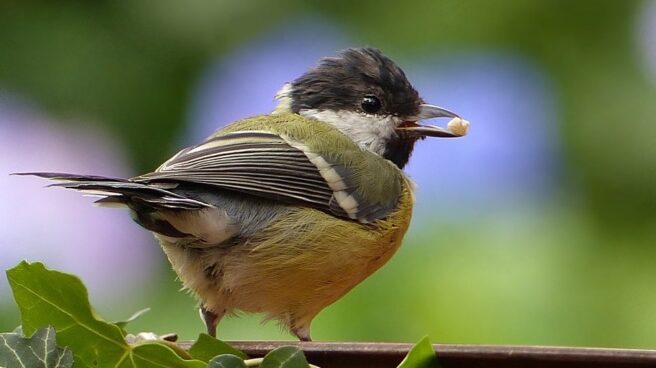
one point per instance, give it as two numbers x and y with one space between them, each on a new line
370 132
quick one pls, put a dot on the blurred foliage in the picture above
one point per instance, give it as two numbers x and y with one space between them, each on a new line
581 273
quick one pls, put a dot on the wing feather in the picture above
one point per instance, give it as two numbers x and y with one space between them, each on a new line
266 165
257 163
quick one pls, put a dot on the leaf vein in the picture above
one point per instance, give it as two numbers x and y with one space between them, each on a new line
125 354
18 359
61 356
70 315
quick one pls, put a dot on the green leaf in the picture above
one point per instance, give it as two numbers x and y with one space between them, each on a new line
38 351
154 354
136 315
285 357
421 355
47 297
206 347
226 361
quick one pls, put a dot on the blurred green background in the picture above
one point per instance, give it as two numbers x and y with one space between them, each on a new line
573 264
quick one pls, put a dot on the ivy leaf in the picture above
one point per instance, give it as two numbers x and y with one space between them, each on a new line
47 297
421 355
285 357
206 347
227 361
155 354
137 314
38 351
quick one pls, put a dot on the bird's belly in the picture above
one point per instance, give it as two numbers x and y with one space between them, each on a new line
298 265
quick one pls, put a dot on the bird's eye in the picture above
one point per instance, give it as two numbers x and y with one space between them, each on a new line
370 104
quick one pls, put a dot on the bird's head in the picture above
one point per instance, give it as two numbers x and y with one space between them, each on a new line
367 96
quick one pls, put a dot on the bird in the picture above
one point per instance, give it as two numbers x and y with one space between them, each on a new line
284 213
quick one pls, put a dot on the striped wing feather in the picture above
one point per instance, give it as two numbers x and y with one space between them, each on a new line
257 163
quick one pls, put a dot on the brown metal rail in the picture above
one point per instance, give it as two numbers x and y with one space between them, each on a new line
383 355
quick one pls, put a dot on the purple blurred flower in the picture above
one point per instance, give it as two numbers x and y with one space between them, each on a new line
245 83
510 155
646 35
59 227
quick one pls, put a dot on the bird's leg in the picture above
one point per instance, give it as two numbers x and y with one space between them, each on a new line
211 319
303 333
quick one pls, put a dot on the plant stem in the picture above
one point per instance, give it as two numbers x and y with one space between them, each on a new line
257 361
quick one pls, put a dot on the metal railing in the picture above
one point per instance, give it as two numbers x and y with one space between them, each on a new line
383 355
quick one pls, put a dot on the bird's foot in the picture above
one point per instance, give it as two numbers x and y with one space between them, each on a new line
211 319
302 333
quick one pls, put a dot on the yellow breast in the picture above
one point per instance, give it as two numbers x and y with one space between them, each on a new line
300 264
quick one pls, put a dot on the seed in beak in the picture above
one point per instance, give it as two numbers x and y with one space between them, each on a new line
458 126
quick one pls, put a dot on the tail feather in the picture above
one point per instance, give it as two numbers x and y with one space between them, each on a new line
116 191
71 177
175 210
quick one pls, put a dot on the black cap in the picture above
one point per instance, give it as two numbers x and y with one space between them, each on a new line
342 82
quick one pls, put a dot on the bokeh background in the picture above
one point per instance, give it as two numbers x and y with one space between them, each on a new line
537 228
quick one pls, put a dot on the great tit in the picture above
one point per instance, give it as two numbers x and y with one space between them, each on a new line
284 213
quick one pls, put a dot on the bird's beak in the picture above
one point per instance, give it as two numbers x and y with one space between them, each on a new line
457 127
